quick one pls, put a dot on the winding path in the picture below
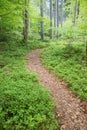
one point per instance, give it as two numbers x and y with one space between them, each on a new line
68 108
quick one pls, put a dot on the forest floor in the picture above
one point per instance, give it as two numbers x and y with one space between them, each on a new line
69 109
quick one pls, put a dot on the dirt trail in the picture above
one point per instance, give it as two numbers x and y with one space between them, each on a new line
72 116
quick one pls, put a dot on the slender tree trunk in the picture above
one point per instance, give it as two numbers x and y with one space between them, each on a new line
51 19
75 12
70 9
57 16
26 22
75 16
78 9
62 2
42 22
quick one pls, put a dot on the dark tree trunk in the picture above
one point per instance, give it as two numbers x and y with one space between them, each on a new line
42 22
78 9
51 19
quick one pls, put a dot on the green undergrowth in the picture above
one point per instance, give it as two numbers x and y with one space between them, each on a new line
68 61
24 103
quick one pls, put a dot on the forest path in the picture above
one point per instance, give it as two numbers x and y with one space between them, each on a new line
68 108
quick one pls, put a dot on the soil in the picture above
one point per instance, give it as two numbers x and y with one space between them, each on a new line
70 110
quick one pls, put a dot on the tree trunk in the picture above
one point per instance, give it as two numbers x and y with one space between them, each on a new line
70 9
75 16
51 19
26 22
42 22
57 16
78 9
75 12
62 2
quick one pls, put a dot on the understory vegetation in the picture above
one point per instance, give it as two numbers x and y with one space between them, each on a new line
24 103
68 61
59 26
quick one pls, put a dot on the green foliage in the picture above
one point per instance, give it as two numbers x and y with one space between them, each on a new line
24 103
34 44
68 62
11 22
68 31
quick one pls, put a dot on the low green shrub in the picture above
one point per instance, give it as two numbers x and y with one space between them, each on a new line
68 62
24 103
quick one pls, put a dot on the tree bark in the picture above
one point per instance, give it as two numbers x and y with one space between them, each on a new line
57 16
75 12
42 22
26 22
78 9
62 2
75 16
51 19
